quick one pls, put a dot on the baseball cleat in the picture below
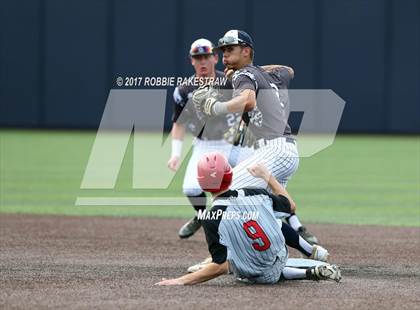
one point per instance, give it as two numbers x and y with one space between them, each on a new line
199 266
189 228
324 272
305 234
319 253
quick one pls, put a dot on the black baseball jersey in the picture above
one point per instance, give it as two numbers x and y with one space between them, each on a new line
204 128
254 246
269 118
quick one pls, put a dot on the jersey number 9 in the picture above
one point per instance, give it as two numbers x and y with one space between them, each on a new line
254 231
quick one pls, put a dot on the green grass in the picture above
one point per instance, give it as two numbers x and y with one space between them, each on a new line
357 180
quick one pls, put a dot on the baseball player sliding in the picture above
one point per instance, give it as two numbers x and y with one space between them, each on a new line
262 96
209 133
253 249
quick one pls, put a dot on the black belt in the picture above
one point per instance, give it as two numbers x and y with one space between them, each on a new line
290 140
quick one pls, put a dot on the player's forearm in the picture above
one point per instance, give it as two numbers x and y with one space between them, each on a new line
209 272
270 68
178 131
278 189
275 186
245 102
178 134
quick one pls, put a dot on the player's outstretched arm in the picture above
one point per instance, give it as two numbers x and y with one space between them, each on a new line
271 68
206 101
259 170
209 272
244 102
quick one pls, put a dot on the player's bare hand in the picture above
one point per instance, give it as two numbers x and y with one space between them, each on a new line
259 170
229 72
166 282
173 163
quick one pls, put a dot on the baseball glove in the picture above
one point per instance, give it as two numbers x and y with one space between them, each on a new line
204 99
239 135
232 135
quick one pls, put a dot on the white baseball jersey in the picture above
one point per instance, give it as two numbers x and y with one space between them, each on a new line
241 227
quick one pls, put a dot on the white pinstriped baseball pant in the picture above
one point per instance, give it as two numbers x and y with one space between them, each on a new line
280 156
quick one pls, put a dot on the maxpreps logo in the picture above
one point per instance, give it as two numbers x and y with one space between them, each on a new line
133 114
227 215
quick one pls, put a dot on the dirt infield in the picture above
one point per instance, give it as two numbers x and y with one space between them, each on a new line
85 262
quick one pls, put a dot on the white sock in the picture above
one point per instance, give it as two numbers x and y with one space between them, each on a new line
290 273
305 245
294 222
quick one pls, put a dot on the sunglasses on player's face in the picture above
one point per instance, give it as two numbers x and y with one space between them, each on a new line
230 41
201 50
199 57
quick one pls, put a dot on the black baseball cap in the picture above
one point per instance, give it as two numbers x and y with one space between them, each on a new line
236 37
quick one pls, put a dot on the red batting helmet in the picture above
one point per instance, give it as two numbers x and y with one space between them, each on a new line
214 172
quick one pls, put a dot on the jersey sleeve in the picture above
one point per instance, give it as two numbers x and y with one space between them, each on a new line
217 251
283 75
280 203
180 101
242 80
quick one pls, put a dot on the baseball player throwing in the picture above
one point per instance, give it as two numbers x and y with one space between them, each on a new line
209 133
254 249
262 97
